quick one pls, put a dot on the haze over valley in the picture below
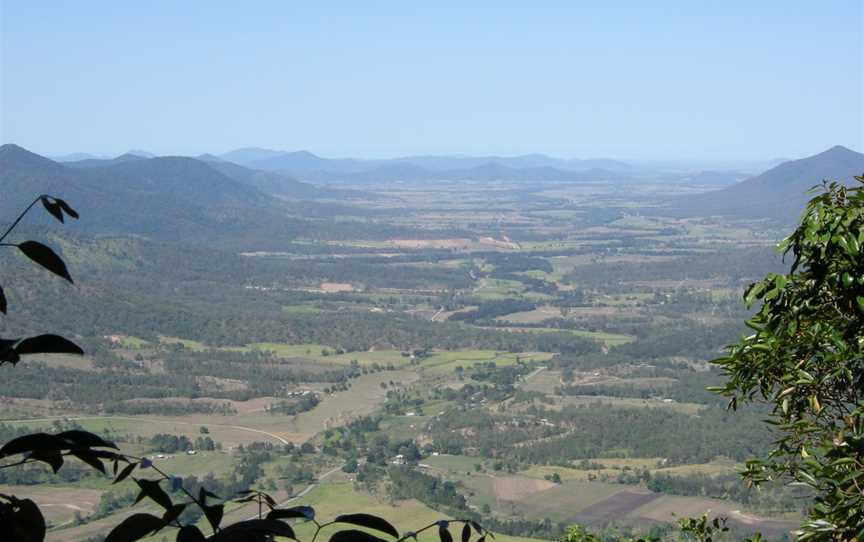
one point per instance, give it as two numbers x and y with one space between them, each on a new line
462 268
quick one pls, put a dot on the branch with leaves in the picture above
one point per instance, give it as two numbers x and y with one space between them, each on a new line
11 350
804 359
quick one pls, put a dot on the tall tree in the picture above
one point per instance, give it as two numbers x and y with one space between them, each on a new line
806 360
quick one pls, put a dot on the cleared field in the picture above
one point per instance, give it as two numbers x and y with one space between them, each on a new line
200 464
542 471
564 501
59 504
609 339
533 316
187 343
362 398
330 500
404 427
615 506
544 381
128 341
718 466
628 402
515 488
224 429
489 289
667 507
284 350
453 463
443 362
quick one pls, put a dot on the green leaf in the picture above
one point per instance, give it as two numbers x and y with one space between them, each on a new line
135 527
45 257
369 521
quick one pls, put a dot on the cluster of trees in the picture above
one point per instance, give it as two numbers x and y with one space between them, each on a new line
291 408
733 267
163 442
775 500
490 310
553 437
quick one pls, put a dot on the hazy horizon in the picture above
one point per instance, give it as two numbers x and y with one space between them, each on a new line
671 82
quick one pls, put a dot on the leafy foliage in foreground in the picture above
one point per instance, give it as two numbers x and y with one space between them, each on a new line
805 361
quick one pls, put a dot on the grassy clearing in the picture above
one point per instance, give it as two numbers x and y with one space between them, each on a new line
187 343
363 397
629 402
332 499
411 427
542 471
133 342
453 463
713 468
58 503
544 381
489 289
533 316
609 339
564 501
667 508
284 350
229 430
443 362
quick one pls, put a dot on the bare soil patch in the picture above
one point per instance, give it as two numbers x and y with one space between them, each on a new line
616 506
516 488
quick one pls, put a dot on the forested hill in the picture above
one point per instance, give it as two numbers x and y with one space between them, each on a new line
779 193
163 198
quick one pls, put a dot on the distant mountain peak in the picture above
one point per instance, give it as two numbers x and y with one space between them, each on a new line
12 153
838 151
780 192
304 154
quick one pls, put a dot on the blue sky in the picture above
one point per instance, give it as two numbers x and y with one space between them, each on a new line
639 79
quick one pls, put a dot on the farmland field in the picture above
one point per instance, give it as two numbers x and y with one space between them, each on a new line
545 359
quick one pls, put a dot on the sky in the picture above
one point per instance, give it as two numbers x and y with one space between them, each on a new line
683 80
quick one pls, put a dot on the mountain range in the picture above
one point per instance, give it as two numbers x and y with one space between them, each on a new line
780 193
212 200
166 198
530 167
